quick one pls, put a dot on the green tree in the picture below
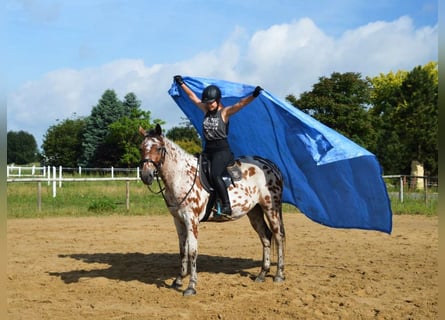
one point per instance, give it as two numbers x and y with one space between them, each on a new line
405 107
130 105
186 137
124 138
385 95
417 116
341 102
108 110
62 144
21 147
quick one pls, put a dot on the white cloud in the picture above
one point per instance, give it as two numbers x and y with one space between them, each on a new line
285 58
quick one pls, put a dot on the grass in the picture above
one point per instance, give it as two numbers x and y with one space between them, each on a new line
416 206
75 199
82 199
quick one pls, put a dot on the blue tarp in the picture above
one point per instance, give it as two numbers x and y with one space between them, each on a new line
332 180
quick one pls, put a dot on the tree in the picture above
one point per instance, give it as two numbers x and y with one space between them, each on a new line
124 139
405 107
131 104
385 95
62 144
417 114
108 110
186 137
341 102
21 147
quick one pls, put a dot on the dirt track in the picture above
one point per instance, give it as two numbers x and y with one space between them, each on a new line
121 267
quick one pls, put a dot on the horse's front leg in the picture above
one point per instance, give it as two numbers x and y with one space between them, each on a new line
192 250
188 248
183 252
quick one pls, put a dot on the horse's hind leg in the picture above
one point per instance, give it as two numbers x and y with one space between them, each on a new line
257 221
277 226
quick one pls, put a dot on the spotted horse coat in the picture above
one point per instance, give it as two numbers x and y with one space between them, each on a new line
258 195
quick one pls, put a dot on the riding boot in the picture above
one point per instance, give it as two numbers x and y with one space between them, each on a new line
220 187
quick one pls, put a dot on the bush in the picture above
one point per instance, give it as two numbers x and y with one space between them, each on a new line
101 205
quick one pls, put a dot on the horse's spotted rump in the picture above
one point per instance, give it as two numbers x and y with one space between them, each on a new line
250 172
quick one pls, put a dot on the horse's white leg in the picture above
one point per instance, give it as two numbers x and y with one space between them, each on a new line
192 250
256 219
183 252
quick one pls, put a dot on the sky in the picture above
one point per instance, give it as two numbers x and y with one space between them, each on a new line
59 57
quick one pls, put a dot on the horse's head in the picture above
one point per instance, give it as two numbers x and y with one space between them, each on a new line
152 153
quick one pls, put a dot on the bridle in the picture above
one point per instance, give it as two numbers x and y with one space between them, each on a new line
158 165
163 151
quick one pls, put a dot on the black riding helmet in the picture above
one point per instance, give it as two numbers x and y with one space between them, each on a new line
210 94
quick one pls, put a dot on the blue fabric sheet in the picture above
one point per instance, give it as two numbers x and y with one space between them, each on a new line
332 180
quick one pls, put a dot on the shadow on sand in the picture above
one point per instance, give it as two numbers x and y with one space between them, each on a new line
152 268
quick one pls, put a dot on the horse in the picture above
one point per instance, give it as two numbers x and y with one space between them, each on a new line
258 194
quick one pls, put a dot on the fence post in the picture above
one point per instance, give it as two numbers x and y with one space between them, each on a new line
60 176
401 189
425 186
49 175
54 182
112 172
80 170
39 196
127 194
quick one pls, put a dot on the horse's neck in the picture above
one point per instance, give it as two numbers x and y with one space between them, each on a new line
178 164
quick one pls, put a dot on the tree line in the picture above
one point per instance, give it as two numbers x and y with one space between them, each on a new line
393 115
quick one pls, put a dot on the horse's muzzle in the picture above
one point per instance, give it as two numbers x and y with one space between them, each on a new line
147 177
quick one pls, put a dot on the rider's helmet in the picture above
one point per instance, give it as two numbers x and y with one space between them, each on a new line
210 94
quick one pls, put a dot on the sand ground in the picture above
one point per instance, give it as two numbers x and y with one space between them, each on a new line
121 268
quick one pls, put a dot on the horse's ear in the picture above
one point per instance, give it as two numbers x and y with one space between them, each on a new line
158 129
142 131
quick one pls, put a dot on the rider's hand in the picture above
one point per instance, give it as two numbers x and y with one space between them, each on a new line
178 79
257 91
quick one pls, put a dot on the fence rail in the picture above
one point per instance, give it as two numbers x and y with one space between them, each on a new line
421 185
35 171
54 175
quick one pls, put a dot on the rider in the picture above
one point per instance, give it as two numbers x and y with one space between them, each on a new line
215 128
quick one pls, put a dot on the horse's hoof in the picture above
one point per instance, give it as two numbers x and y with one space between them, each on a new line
189 292
278 279
259 279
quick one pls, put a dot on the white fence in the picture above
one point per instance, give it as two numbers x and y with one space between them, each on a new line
13 171
54 176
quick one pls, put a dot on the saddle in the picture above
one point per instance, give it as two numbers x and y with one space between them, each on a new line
230 175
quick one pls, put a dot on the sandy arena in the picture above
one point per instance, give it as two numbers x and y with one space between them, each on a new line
121 268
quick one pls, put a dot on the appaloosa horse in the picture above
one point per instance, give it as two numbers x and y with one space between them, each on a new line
258 194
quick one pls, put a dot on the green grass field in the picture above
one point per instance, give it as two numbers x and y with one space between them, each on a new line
82 199
109 198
